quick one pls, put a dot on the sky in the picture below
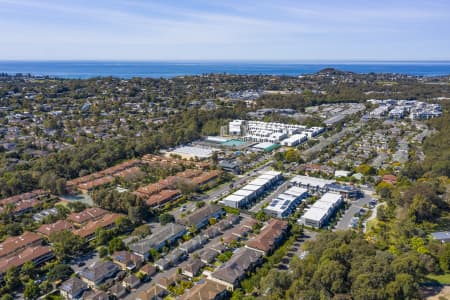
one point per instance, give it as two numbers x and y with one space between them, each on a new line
287 30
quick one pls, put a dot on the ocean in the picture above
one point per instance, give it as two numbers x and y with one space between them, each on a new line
154 69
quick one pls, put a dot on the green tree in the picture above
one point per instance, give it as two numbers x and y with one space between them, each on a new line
166 218
31 291
66 244
59 272
116 244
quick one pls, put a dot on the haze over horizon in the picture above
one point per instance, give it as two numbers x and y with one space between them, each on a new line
236 30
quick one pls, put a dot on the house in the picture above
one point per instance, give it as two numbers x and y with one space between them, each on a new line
270 237
192 267
127 260
153 293
200 218
211 232
177 256
230 166
162 264
193 244
60 225
218 247
90 228
164 196
148 270
131 282
36 254
14 244
95 295
235 269
389 178
208 256
169 280
118 290
73 288
89 214
98 272
206 290
164 235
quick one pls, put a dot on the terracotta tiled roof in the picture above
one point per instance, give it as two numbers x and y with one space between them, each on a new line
15 243
48 229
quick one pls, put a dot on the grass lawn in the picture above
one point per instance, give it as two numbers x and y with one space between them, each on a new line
442 279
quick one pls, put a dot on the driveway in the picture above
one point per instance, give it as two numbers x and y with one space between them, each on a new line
354 208
85 260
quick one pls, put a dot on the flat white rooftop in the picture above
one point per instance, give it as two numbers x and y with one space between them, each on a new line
311 181
234 198
194 151
330 198
251 187
315 214
259 181
243 192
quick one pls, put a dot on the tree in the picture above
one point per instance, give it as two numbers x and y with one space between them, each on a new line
102 251
116 244
142 231
59 272
31 291
28 269
12 279
7 297
200 204
166 218
421 209
403 287
66 244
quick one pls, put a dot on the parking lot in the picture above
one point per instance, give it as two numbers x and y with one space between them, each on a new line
346 220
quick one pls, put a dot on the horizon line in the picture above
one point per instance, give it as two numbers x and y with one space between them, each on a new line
284 61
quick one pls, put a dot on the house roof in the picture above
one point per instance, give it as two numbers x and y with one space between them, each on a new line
201 214
29 254
131 280
153 293
127 258
148 269
206 290
95 295
160 235
99 271
48 229
193 266
90 228
14 243
208 254
86 215
117 289
238 264
265 240
162 197
73 286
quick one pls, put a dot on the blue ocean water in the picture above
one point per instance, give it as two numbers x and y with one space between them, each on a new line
126 69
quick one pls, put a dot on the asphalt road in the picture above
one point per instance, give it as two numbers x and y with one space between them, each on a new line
281 188
354 208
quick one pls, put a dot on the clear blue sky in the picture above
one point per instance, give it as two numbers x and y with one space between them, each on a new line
226 29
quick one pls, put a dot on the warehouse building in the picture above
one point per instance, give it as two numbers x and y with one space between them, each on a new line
312 184
253 190
283 205
321 211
